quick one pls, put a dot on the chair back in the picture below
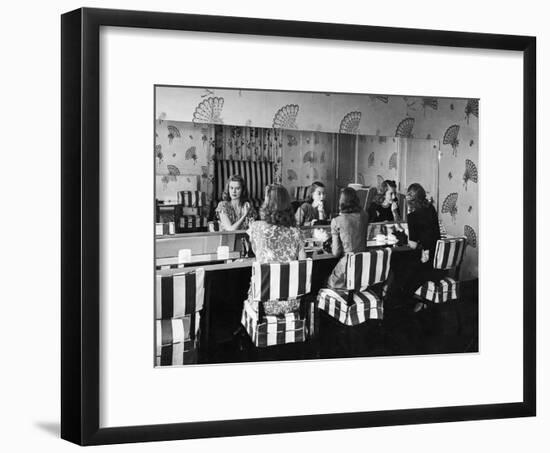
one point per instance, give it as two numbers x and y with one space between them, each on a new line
179 295
257 175
449 252
300 193
367 268
191 198
281 281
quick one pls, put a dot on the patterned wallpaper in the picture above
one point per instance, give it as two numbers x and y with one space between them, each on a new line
452 121
184 158
308 157
376 159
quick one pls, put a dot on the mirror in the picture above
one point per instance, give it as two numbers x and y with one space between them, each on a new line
193 162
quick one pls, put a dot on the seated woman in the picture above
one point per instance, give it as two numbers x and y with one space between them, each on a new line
384 207
235 211
314 209
423 236
275 238
349 234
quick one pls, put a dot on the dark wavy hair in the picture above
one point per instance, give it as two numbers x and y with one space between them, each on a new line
349 201
314 186
380 196
276 208
244 192
416 197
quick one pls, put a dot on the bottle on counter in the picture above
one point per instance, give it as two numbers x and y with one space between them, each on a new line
243 252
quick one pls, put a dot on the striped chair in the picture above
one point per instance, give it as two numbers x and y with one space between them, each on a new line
356 304
257 175
300 193
193 213
448 256
179 301
277 282
191 198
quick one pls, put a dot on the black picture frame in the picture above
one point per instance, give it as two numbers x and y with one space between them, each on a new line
80 188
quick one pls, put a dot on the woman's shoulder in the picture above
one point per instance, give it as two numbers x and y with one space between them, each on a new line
259 225
306 206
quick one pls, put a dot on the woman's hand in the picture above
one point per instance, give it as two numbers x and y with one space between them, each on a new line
246 209
321 210
425 256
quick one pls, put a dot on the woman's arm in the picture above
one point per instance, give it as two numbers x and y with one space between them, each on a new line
337 249
226 222
301 250
299 217
414 233
414 244
395 211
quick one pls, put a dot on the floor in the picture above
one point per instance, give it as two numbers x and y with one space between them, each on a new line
443 329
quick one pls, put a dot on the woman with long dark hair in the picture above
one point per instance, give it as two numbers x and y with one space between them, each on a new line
423 236
384 207
275 238
235 211
315 208
349 234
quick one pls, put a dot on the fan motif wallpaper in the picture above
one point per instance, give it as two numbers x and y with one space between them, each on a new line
190 149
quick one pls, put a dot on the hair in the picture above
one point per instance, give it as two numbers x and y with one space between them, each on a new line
244 192
416 197
314 186
349 201
386 184
277 208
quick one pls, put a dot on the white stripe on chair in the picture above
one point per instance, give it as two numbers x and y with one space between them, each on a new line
275 281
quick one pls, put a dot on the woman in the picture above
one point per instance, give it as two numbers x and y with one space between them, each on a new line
349 234
235 210
275 238
384 208
423 236
314 209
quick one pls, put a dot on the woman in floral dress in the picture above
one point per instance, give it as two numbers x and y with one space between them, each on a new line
235 210
275 238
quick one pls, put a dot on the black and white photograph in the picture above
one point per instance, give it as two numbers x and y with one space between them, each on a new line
275 226
294 225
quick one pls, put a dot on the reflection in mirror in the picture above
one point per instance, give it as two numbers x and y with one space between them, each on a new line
382 168
194 164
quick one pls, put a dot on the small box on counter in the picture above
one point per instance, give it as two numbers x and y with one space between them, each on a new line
223 252
184 256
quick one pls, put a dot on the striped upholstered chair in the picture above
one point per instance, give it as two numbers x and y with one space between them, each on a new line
301 193
356 303
179 301
277 282
448 256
